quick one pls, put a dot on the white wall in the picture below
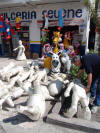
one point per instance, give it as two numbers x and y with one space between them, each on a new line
34 32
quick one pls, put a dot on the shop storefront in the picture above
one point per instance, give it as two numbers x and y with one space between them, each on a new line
76 19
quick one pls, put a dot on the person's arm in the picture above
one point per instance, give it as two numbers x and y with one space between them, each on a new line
80 72
87 89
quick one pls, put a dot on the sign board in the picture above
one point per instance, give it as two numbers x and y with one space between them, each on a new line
66 22
30 14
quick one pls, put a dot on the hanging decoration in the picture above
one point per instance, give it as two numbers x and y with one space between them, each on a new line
69 35
8 29
18 24
57 38
60 18
2 27
46 22
59 28
66 42
44 36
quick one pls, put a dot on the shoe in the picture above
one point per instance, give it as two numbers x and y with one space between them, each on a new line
94 109
91 100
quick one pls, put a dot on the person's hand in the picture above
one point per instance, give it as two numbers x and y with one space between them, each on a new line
87 90
79 73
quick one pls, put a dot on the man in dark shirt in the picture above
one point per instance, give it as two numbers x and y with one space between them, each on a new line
91 64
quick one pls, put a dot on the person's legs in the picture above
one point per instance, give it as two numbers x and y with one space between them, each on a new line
97 99
93 87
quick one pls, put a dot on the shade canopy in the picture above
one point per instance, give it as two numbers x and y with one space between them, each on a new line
10 3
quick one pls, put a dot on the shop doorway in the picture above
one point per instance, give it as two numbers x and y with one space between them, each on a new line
7 47
24 36
71 29
75 38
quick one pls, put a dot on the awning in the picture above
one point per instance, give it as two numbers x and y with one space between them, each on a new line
23 23
11 3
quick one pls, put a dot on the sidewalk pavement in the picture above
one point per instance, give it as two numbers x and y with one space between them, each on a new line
5 61
12 122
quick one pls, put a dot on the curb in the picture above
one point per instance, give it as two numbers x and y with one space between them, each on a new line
73 123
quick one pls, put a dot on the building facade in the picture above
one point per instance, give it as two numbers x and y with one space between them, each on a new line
76 17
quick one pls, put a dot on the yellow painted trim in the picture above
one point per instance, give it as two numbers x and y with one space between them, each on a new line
34 41
35 44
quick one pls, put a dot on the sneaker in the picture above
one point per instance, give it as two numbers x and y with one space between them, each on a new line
91 100
94 109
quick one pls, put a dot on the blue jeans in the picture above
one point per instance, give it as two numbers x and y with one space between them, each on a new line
95 90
